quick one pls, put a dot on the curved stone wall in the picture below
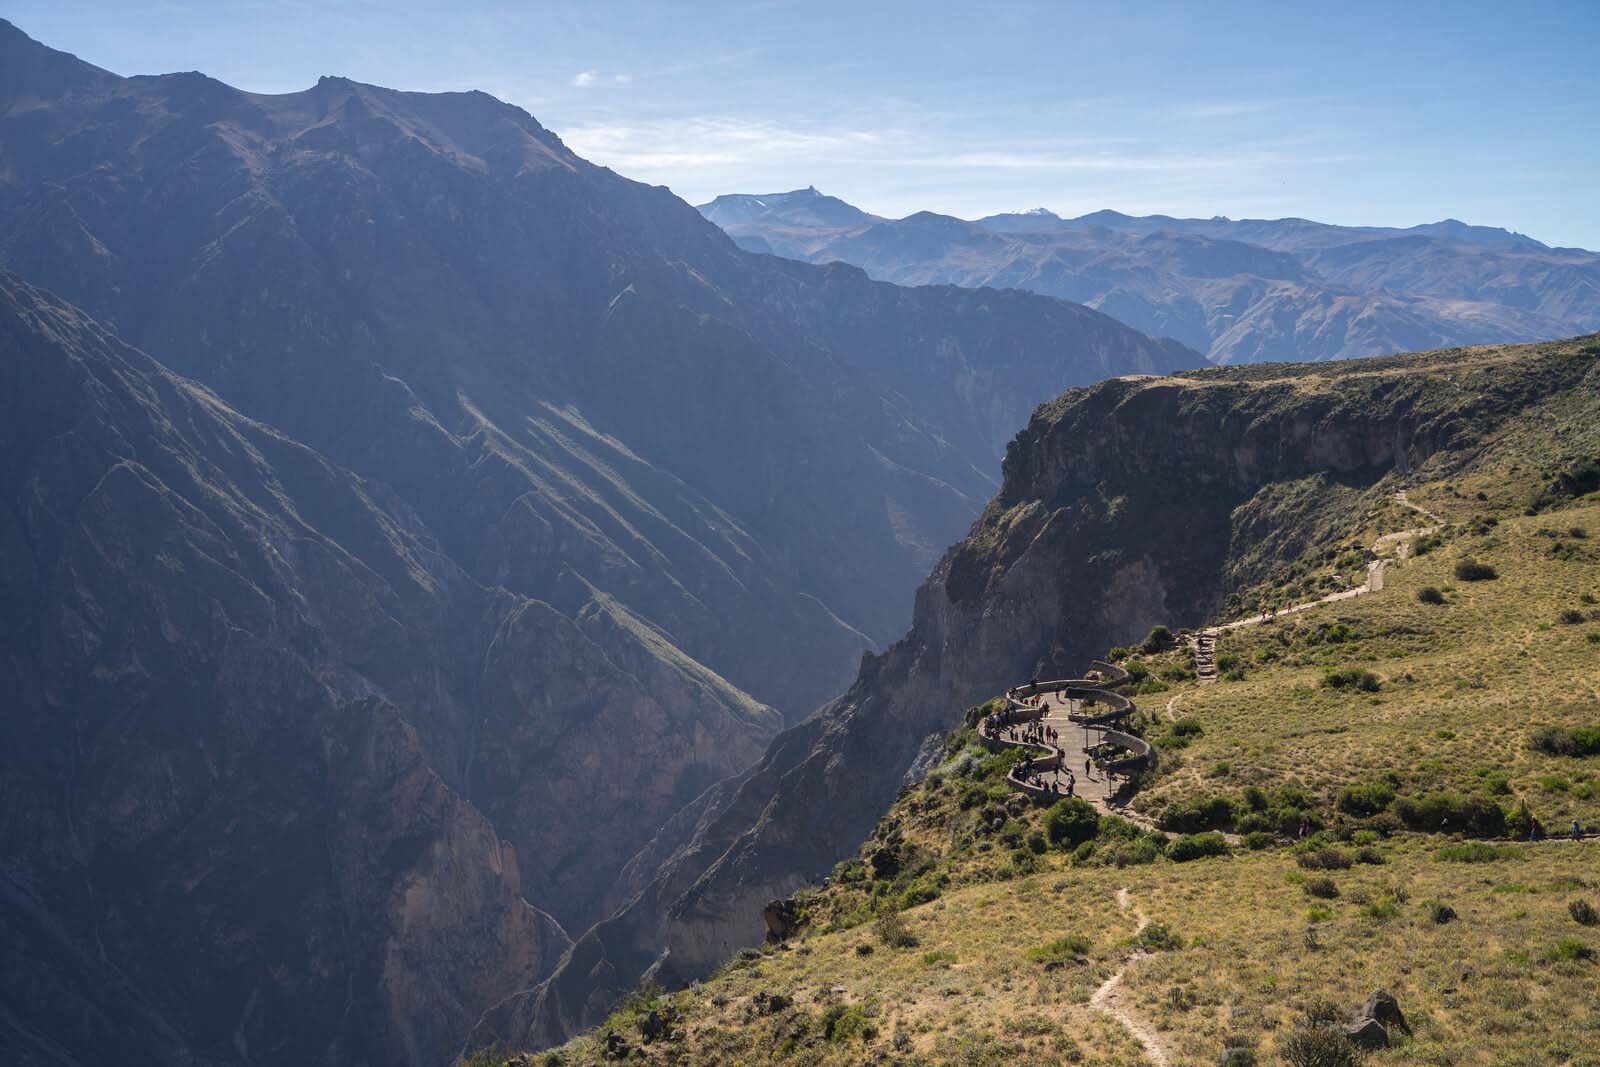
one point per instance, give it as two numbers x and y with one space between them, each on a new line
1098 689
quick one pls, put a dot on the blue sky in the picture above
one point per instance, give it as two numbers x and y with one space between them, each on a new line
1385 114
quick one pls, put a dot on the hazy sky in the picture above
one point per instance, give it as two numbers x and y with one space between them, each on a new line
1389 114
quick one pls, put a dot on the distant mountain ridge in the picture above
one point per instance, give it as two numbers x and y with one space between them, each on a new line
1238 290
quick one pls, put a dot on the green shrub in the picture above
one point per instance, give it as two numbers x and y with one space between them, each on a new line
1257 840
1197 814
1351 678
1319 1046
1559 741
1421 546
919 892
1570 617
1070 947
892 930
1135 853
1187 727
1070 822
1440 912
841 1023
1197 846
1158 937
1322 888
1430 595
1476 816
1159 639
1369 855
1583 913
1568 949
1470 570
1366 799
1324 859
1382 910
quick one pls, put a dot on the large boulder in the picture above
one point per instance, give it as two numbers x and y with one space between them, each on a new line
1367 1033
1382 1006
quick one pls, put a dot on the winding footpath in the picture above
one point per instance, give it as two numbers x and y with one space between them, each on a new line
1109 999
1203 643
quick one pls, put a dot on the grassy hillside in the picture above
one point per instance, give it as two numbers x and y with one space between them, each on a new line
1344 809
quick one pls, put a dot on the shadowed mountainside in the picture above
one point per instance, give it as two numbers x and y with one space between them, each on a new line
498 465
1240 291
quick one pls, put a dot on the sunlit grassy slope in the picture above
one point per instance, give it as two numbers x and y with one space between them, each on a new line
1413 730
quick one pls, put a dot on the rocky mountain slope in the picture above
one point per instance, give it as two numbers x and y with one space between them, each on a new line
1134 502
226 675
1240 291
486 466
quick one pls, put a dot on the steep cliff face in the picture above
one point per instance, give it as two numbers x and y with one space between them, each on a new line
1134 502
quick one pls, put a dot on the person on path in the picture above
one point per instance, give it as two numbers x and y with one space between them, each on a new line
1577 831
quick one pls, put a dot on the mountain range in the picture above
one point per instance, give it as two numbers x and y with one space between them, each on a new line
404 520
1238 290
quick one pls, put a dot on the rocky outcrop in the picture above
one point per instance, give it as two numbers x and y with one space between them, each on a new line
1126 504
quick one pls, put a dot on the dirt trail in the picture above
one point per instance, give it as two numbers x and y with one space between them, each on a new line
1111 998
1399 542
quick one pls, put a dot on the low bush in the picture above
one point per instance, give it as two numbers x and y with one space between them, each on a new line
1070 822
1570 617
841 1023
1352 678
1440 912
1567 950
1187 727
1321 888
1198 814
1325 859
1430 595
1470 570
892 930
1560 741
1070 947
1197 846
1257 840
1158 937
1369 855
1583 913
1135 853
1158 640
1319 1046
1381 910
1368 799
1476 816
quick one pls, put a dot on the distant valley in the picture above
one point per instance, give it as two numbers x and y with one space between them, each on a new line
1240 291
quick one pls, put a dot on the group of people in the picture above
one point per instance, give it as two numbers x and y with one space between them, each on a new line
1051 785
999 725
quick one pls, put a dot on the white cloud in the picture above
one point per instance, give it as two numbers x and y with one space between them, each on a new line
588 79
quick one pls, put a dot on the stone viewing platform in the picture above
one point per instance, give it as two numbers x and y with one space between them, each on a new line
1044 716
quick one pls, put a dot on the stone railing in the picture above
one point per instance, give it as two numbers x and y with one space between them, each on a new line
1023 705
